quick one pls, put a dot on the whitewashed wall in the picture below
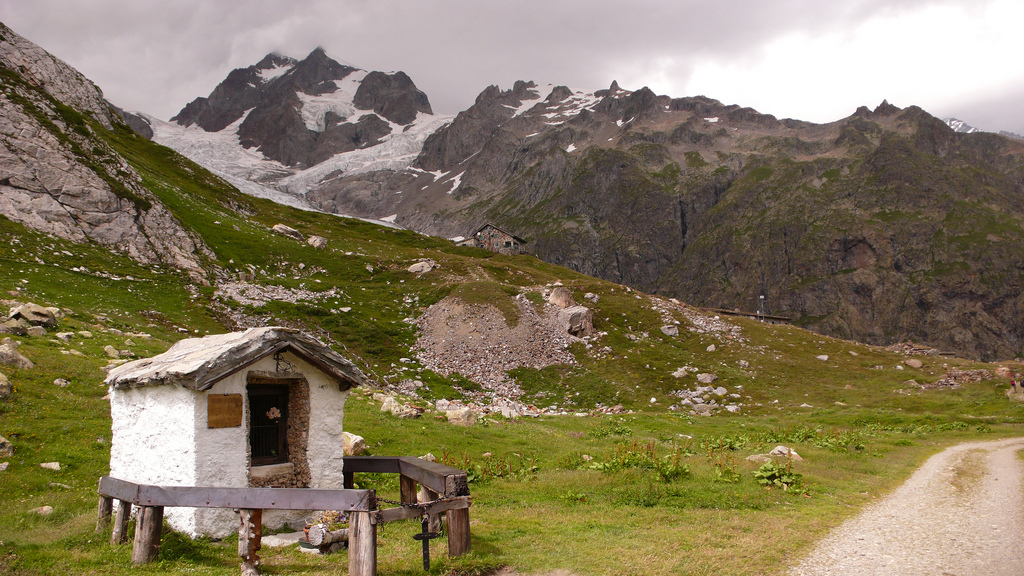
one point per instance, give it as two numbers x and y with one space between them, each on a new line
153 441
160 436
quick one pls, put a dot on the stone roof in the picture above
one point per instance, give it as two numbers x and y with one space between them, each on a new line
199 363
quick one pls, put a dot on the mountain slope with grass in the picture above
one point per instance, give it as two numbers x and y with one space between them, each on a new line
618 468
885 226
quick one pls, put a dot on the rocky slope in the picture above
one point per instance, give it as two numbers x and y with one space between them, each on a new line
883 226
58 176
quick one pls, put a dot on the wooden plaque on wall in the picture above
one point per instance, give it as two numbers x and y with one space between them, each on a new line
223 410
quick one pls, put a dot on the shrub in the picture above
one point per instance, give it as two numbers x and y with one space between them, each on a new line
772 474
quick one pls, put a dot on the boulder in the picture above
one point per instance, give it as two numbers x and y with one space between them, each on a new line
679 373
822 357
85 333
758 458
422 267
785 452
10 356
461 417
6 448
318 242
5 387
561 297
705 378
670 330
733 408
353 444
36 331
577 320
16 326
915 363
591 297
62 382
398 409
51 466
288 231
1001 372
4 465
702 409
720 391
33 314
712 348
111 351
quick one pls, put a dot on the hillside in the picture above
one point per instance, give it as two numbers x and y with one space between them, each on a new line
599 447
884 226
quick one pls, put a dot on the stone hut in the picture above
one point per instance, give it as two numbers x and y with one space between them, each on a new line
259 408
495 239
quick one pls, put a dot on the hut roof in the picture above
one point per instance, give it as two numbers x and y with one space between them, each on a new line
199 363
503 231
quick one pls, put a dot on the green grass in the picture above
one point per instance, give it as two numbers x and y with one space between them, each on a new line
597 501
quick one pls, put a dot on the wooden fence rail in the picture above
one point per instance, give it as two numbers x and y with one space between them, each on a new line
446 488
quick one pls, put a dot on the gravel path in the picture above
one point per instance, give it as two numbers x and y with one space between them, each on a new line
961 514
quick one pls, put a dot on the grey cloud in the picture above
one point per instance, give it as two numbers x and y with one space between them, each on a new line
156 56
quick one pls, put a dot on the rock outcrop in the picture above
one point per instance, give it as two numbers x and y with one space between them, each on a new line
57 177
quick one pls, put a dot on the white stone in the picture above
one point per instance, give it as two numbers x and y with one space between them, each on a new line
51 466
822 357
915 363
422 267
670 330
785 451
711 348
462 417
705 378
353 445
679 373
318 242
288 231
733 408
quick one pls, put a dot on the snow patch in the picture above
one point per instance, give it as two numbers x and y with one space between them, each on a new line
341 102
713 119
571 148
276 72
456 182
390 219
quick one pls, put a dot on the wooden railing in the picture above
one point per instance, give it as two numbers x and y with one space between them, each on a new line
443 489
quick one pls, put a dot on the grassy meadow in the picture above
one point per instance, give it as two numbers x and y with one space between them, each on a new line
651 491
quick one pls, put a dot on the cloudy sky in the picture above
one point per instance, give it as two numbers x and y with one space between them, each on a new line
815 60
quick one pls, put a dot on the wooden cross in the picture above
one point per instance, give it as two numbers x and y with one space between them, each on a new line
425 536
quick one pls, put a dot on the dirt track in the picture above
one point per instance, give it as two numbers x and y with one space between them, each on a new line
961 513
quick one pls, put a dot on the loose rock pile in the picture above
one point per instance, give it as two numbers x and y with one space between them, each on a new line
706 400
955 377
476 342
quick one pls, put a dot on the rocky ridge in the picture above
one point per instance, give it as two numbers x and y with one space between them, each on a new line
58 177
302 112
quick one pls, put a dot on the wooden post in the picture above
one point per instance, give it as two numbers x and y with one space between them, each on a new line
433 520
147 534
250 540
458 532
362 545
408 489
119 533
104 509
348 480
